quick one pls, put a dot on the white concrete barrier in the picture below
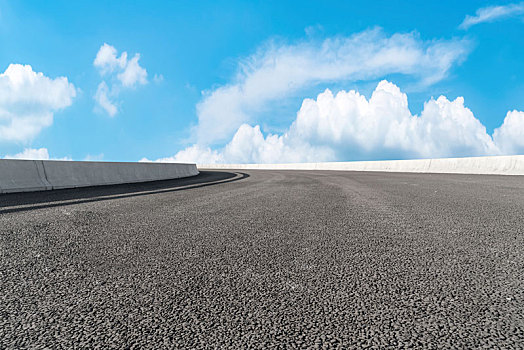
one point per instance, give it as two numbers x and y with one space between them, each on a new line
22 175
499 165
39 175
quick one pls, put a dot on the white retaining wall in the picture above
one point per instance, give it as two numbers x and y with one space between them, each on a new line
39 175
501 165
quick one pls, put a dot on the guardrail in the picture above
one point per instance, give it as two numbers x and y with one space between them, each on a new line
40 175
499 165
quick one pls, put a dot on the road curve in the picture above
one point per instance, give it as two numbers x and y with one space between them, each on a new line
260 259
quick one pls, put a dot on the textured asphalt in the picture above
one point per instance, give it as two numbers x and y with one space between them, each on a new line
267 259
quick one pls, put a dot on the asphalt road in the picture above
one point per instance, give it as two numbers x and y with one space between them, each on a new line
267 259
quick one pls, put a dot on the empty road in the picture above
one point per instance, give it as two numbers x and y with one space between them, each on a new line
267 259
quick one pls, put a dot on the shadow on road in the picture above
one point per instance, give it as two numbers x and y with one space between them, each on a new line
15 202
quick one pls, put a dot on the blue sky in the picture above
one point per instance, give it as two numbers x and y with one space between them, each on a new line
236 81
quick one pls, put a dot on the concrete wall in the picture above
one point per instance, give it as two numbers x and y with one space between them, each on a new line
501 165
39 175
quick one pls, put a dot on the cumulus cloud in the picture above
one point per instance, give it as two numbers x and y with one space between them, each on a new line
103 100
192 154
133 74
28 101
106 59
120 72
34 154
349 126
510 135
30 153
492 13
276 71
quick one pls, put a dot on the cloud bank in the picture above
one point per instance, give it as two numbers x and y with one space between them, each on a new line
121 72
492 13
277 71
28 101
30 153
349 126
34 154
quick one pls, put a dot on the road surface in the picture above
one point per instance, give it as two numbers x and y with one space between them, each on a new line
261 259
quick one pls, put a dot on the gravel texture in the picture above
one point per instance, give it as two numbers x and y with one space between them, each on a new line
267 259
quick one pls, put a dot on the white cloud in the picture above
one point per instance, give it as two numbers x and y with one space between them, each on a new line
492 13
107 61
350 123
95 157
510 135
133 73
34 154
28 100
348 126
30 153
120 72
250 146
103 100
192 154
276 71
